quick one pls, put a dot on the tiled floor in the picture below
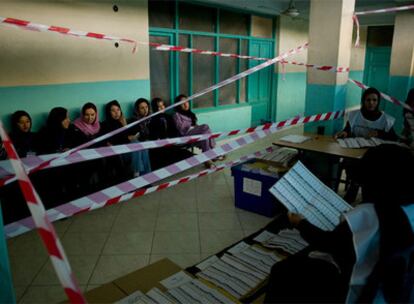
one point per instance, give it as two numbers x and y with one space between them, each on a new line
186 224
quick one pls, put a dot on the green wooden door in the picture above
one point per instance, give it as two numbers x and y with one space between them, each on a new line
259 83
377 67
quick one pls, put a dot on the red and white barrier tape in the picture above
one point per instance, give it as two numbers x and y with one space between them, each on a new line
377 11
91 154
43 224
112 194
198 94
175 48
386 10
327 68
383 95
69 209
27 25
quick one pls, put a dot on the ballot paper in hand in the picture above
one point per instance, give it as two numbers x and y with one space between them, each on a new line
302 192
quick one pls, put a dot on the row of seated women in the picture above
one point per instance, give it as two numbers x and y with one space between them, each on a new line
62 184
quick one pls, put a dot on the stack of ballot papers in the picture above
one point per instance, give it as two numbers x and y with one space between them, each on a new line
289 240
180 288
240 270
303 193
361 142
296 139
282 156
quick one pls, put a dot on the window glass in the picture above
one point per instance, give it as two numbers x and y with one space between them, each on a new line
228 68
161 13
184 66
197 18
203 71
234 23
160 70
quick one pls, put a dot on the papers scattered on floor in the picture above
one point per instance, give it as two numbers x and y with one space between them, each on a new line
361 142
296 139
289 240
301 192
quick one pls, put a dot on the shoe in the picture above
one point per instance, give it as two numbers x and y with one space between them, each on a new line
209 164
220 158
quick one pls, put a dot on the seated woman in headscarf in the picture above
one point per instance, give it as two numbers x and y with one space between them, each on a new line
141 132
186 123
88 122
369 121
119 167
350 263
89 128
58 184
23 138
162 126
59 135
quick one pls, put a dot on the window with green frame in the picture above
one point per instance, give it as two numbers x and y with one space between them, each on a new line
200 27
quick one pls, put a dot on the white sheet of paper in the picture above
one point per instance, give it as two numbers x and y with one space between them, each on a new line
131 299
252 186
176 280
239 247
296 139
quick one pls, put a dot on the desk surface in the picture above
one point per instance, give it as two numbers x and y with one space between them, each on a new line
323 144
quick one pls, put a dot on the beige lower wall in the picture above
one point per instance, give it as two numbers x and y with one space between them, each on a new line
35 58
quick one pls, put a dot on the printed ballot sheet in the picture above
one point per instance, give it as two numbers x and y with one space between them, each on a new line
302 192
289 240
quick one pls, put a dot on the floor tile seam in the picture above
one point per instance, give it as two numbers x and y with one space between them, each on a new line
153 230
103 246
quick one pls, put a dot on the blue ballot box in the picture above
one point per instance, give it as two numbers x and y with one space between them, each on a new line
252 181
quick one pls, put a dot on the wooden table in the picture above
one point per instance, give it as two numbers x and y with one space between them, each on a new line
328 146
323 144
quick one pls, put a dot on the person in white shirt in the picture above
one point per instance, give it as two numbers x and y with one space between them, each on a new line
369 121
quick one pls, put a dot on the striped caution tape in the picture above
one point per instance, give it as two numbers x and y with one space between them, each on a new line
91 154
115 193
69 209
43 224
377 11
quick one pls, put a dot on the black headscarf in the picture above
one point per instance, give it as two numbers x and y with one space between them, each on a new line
154 104
370 115
111 124
55 118
23 141
187 113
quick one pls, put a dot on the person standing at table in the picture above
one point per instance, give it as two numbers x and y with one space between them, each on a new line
408 131
369 121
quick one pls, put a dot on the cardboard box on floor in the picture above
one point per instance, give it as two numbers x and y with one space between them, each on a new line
142 279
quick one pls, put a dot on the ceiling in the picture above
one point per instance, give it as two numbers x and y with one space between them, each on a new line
276 7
